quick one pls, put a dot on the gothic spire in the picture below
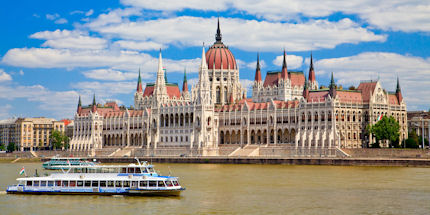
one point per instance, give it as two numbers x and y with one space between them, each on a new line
258 70
284 74
185 83
139 83
94 105
398 85
305 89
79 102
399 91
311 70
332 84
94 100
218 36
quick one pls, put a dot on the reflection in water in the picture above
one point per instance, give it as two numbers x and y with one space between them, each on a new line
248 189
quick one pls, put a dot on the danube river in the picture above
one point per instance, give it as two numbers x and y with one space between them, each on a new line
248 189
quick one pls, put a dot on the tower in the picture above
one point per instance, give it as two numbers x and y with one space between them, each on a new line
258 83
399 91
160 92
312 82
185 92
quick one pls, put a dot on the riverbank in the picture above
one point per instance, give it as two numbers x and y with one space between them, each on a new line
20 160
285 161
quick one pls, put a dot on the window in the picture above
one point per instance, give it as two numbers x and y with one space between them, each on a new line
36 183
175 183
58 183
126 184
87 183
43 183
102 183
29 183
72 183
95 183
152 183
118 184
65 183
80 184
50 183
169 183
143 183
160 184
110 184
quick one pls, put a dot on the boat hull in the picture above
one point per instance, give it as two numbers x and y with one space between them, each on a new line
139 192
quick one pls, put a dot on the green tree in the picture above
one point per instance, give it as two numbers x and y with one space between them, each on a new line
412 141
386 129
11 147
2 147
58 139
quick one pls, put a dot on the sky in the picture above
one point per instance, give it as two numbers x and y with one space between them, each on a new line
52 52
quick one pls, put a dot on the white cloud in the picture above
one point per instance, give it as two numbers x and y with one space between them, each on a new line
384 14
21 72
4 76
105 89
114 16
247 84
293 61
69 39
61 21
413 73
89 13
136 45
4 111
112 75
52 16
249 35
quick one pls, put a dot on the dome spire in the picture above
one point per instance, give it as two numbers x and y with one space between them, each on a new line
258 70
284 74
139 83
311 70
218 36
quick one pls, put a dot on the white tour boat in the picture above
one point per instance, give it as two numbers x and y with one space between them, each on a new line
131 179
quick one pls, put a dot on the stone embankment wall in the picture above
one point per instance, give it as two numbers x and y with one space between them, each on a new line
388 153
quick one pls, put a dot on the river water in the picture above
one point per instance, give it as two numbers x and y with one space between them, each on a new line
247 189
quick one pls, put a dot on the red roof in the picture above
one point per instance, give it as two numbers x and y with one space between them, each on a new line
392 98
348 96
218 53
297 78
366 89
172 90
111 109
317 96
66 121
257 105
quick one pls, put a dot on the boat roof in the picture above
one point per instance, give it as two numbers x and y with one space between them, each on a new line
143 164
93 176
68 158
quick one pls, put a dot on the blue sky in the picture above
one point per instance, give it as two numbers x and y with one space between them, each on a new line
53 51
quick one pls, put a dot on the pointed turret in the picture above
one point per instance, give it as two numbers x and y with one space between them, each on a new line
139 83
306 90
185 83
218 36
160 91
258 70
332 86
94 105
399 91
165 76
284 74
311 71
79 105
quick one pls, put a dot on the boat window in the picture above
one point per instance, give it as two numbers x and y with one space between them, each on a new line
99 170
134 184
176 183
95 183
126 183
138 170
143 183
80 183
87 183
130 170
58 183
65 183
145 170
72 184
124 170
102 183
169 183
152 183
150 169
118 184
29 183
50 183
160 184
110 184
36 183
43 183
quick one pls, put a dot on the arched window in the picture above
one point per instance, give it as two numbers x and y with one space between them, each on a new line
225 95
218 95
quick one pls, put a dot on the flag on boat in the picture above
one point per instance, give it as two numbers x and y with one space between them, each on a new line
22 171
380 117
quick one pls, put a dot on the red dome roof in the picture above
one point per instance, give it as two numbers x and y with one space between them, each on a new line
219 53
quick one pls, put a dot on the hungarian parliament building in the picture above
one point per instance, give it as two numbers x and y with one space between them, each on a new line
287 108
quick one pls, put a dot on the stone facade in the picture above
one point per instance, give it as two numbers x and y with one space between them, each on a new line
286 109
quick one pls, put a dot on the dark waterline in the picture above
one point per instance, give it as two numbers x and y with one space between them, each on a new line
248 189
